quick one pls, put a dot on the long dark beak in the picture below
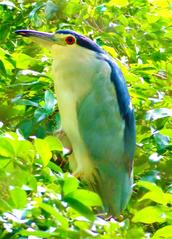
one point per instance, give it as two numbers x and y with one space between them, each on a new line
36 34
43 38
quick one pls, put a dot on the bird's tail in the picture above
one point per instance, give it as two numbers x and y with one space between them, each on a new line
114 189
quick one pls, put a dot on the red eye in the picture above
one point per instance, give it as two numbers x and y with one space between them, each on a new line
70 40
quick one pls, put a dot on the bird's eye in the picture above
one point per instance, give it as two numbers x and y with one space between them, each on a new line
70 40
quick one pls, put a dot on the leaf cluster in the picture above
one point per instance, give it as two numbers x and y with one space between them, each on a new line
39 198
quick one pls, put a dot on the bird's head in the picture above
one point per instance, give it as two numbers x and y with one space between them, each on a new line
62 41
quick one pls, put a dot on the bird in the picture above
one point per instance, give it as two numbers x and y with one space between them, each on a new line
96 113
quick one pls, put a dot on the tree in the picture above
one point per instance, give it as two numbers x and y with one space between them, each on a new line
39 197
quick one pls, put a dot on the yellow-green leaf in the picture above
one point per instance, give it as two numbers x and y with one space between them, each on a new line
163 233
149 215
19 197
86 197
121 3
43 149
54 212
54 143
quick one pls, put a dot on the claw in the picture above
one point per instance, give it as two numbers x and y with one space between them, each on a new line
77 174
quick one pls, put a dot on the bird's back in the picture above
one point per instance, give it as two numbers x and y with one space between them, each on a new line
102 129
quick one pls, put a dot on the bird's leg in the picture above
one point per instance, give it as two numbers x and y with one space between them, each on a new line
60 134
68 147
77 174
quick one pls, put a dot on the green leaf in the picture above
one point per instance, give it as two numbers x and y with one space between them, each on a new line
149 215
2 68
23 61
54 167
50 101
162 141
156 194
110 50
80 207
25 151
5 206
26 102
26 127
19 197
167 132
139 34
70 184
163 233
120 3
54 143
50 10
43 150
135 232
156 197
4 162
88 198
40 114
150 186
53 212
37 234
35 9
6 148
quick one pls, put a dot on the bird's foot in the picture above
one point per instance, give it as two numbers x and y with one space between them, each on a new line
77 174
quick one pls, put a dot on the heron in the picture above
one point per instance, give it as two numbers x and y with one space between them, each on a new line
96 114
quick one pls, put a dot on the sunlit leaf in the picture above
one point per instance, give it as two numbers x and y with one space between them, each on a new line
19 197
54 212
70 184
6 148
5 206
111 51
35 172
22 60
135 232
25 151
37 233
43 150
149 215
164 232
121 3
54 167
80 207
54 143
86 197
150 186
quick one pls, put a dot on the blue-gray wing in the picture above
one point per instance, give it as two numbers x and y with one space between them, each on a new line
102 125
126 111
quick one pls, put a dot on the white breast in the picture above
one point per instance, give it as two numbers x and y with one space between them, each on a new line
72 75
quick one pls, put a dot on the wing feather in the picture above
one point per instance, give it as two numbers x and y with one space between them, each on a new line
126 111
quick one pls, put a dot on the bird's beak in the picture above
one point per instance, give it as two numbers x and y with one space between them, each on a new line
43 38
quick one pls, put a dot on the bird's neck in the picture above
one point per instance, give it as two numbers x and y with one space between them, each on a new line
71 58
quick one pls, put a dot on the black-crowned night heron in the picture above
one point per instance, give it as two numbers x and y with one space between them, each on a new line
96 114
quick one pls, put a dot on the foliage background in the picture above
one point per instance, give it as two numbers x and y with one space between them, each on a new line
38 196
